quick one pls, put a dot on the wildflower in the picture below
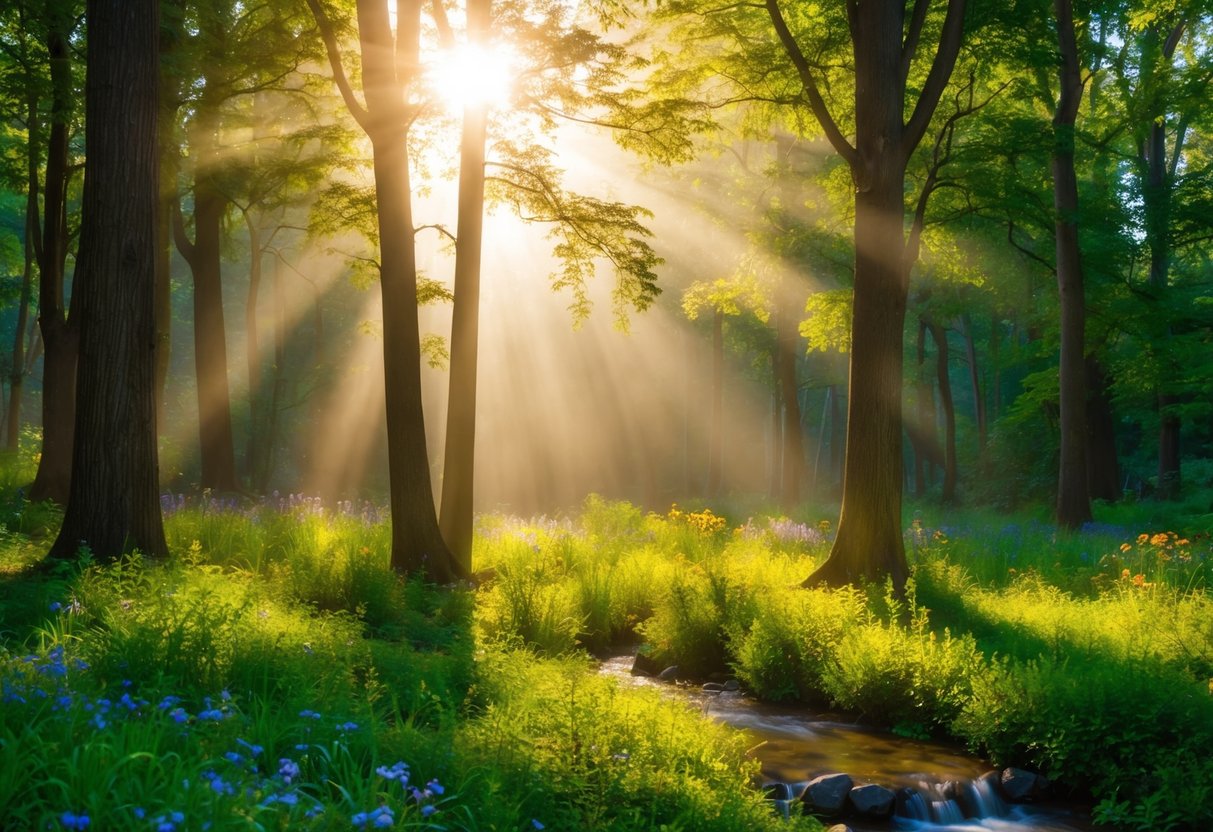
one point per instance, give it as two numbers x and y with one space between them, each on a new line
1139 579
168 702
1124 573
288 769
74 821
348 726
309 714
428 810
56 606
179 715
398 771
233 758
139 812
536 824
253 750
1124 547
435 787
211 715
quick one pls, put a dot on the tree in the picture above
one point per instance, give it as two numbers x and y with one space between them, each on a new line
1073 491
114 505
55 318
390 67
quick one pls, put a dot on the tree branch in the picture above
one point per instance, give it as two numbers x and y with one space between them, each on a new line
816 102
1031 255
910 47
339 77
179 236
937 78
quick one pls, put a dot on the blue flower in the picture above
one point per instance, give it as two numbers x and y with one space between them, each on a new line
253 750
179 715
212 715
73 821
428 810
56 606
288 769
348 726
309 714
398 771
435 787
536 824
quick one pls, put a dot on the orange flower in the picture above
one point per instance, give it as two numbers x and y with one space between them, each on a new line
1159 539
1124 547
1124 573
1139 579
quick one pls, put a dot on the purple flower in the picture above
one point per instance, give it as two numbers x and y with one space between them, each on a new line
288 769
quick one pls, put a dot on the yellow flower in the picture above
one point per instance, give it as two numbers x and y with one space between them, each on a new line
1142 538
1124 547
1159 539
1124 573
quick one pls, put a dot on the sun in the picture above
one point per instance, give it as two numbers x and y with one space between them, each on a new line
472 76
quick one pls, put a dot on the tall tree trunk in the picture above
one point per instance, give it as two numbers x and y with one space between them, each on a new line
716 437
210 338
459 460
1073 496
979 399
775 430
788 337
164 290
869 541
940 336
996 365
59 332
1103 468
114 501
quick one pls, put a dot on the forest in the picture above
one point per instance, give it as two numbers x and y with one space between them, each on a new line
682 415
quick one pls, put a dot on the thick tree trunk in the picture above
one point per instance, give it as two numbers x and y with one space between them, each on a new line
716 436
1103 469
940 336
164 296
459 460
1073 497
869 542
59 334
114 502
1157 197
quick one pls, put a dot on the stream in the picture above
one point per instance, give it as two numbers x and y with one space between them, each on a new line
941 788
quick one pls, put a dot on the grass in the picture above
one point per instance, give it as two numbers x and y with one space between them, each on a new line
273 674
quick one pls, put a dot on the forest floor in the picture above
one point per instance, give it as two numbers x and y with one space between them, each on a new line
273 673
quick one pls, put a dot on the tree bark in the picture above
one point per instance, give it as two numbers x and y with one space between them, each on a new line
979 399
114 502
59 332
215 438
1103 468
252 352
459 460
940 336
925 427
1073 496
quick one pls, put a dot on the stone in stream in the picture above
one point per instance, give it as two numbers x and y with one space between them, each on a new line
840 827
732 685
644 664
1022 786
827 794
712 687
670 674
872 801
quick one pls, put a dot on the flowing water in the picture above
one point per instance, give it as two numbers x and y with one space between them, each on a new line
940 788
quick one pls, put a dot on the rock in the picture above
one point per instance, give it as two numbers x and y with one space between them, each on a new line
713 687
1020 786
670 674
840 827
732 684
872 801
777 791
827 794
644 664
